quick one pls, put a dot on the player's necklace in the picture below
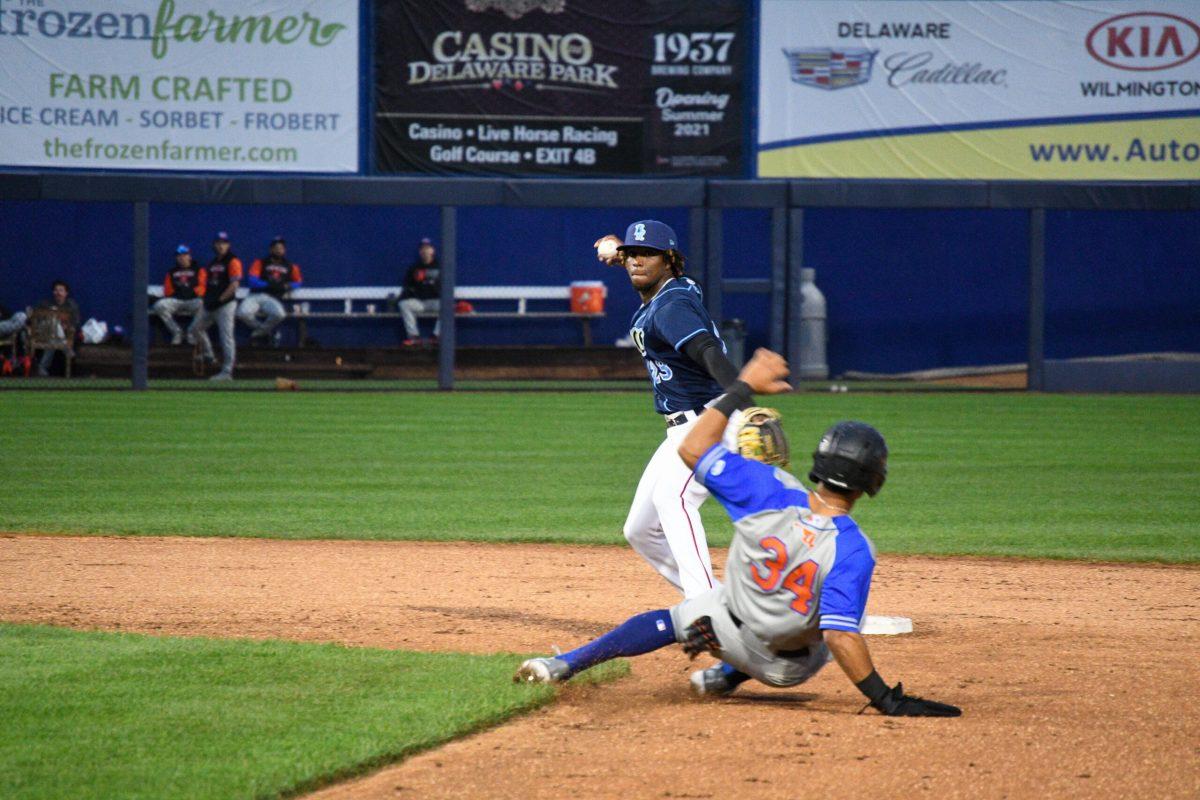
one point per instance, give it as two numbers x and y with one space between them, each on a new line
828 504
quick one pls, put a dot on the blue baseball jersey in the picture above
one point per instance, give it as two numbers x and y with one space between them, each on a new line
660 329
791 572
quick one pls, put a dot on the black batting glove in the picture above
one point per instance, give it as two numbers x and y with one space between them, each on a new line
700 638
898 704
893 702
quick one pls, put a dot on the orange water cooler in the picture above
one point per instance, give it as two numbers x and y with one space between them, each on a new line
587 297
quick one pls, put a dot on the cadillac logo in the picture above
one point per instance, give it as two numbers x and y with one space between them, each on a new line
826 68
515 9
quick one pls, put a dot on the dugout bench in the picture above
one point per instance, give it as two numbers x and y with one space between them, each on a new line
378 302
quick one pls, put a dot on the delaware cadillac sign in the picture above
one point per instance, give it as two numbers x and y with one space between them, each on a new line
965 90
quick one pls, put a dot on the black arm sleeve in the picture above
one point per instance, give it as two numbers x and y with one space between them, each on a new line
704 349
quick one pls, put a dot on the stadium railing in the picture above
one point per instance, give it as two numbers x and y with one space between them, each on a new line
374 302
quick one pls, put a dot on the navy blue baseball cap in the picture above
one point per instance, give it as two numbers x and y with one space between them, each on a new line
652 234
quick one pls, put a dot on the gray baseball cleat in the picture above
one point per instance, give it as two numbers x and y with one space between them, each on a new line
711 682
543 670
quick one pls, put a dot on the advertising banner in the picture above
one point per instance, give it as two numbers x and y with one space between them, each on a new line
561 87
198 85
986 90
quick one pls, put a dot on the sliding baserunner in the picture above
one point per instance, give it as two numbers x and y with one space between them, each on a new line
799 568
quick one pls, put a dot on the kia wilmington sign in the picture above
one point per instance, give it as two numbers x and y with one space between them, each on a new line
566 87
1144 41
197 85
979 90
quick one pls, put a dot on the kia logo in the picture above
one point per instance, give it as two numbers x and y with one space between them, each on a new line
1144 41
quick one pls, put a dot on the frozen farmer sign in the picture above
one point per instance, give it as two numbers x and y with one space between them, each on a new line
179 85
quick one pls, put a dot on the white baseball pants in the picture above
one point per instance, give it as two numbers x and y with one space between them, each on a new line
664 524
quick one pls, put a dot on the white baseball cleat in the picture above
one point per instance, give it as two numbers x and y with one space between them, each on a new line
711 682
543 670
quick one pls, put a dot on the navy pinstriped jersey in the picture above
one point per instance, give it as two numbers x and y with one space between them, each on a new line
660 329
791 573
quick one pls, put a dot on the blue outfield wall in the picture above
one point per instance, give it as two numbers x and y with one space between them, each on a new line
907 288
916 289
1119 282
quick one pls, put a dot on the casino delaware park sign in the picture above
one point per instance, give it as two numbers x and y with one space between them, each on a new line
197 85
1027 90
561 87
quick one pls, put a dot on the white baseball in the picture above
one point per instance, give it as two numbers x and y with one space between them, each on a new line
606 249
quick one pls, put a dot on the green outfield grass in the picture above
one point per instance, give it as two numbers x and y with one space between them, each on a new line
1105 477
101 715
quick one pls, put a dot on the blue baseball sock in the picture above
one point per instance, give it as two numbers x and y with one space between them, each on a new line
637 635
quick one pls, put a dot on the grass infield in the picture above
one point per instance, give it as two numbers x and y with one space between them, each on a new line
1100 477
101 715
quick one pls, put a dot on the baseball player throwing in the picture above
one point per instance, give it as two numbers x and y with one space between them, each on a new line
686 360
799 568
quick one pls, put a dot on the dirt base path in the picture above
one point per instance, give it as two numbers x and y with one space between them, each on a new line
1077 680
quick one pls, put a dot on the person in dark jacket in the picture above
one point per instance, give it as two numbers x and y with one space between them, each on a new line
270 280
422 290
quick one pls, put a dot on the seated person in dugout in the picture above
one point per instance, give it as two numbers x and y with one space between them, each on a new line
799 568
421 292
270 279
63 304
183 293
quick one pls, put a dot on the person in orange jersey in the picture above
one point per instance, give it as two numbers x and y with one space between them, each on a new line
183 293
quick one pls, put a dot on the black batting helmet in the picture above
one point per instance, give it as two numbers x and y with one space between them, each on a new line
851 456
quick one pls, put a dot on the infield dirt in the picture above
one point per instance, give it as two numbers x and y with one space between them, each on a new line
1076 679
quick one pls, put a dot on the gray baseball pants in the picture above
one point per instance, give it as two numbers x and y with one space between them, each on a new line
410 307
266 305
742 649
225 318
167 307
